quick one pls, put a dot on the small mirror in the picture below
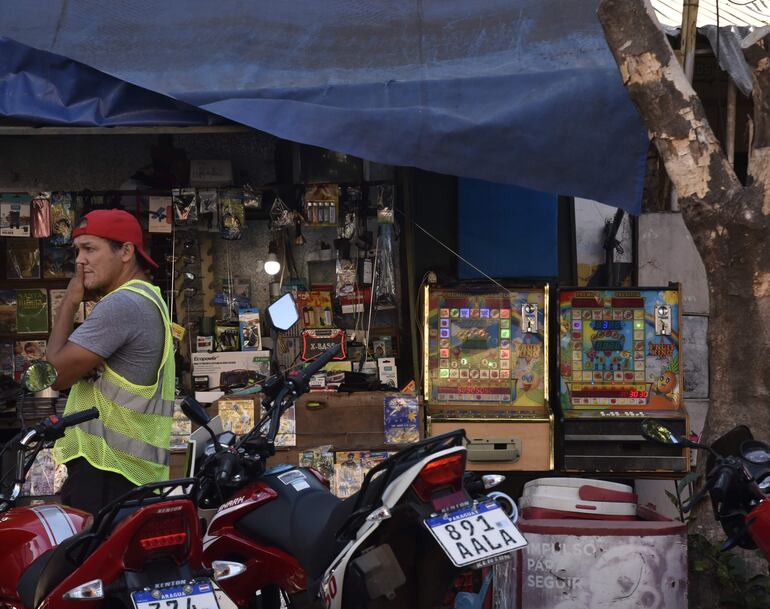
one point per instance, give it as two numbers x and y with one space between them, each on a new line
283 313
193 410
40 375
654 431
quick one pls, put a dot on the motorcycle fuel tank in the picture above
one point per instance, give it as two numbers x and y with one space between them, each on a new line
28 532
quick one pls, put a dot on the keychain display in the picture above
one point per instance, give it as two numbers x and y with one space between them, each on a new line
385 279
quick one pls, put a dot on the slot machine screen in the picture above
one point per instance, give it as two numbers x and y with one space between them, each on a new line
486 347
619 349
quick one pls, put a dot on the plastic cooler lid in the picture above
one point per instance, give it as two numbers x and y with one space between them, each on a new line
578 482
578 506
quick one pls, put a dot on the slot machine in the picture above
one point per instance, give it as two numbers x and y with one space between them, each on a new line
486 369
619 363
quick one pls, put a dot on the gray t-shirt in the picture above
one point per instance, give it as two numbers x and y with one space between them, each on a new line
126 329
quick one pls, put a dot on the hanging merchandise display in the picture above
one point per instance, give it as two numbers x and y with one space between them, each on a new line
280 215
185 201
232 215
292 283
385 280
160 215
252 197
227 336
62 218
385 277
315 242
57 262
346 277
321 204
15 215
299 238
22 256
41 215
208 202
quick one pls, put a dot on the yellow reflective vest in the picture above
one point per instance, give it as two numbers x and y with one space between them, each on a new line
132 434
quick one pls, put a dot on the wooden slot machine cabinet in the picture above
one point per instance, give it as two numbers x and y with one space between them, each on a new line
619 363
485 358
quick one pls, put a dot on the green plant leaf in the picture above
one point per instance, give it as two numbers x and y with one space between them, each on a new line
687 480
672 498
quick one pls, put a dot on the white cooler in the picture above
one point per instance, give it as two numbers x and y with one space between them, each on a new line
577 498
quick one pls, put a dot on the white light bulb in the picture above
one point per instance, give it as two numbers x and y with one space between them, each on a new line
272 266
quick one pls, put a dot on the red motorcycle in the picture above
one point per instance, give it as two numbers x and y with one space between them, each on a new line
142 551
417 522
737 481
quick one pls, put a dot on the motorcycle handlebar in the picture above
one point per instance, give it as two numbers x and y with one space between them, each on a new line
77 418
53 427
304 376
721 485
228 463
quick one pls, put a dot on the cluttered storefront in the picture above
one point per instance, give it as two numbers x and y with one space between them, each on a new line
546 379
454 303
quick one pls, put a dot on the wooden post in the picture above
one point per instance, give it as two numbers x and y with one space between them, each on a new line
688 36
411 288
730 126
688 39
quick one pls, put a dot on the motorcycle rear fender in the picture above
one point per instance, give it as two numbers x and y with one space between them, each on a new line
106 561
331 585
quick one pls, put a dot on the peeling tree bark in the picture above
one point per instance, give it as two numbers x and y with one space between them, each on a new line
729 222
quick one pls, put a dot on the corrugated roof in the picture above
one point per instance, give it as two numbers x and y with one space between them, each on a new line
731 12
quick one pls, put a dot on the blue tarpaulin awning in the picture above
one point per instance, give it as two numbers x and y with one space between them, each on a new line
515 91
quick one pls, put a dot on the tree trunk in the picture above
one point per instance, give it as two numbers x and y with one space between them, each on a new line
729 222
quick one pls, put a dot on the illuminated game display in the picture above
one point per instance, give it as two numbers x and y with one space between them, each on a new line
619 350
486 348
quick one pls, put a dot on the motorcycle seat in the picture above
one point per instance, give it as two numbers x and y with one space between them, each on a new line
303 523
47 571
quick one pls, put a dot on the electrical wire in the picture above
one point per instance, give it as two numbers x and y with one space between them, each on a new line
454 253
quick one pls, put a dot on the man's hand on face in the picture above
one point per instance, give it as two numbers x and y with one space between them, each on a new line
76 289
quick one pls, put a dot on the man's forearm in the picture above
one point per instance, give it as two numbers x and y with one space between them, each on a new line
62 328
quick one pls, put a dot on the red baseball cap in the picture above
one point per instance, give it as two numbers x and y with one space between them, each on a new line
114 224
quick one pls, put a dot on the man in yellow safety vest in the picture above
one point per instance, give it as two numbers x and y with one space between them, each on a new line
126 340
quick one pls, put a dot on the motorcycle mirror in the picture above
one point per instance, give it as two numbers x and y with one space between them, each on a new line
40 375
193 410
659 433
283 313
